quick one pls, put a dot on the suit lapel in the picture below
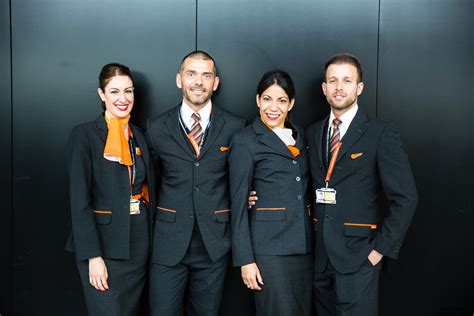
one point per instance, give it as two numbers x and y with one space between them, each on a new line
215 127
102 126
356 130
142 144
321 142
176 131
270 139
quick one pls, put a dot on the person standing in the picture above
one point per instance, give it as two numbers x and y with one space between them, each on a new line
355 161
111 194
272 242
191 236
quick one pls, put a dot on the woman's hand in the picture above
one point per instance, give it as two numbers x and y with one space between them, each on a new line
251 276
98 274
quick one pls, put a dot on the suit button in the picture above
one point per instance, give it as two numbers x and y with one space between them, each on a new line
298 179
196 189
191 215
196 164
299 197
327 218
295 162
320 167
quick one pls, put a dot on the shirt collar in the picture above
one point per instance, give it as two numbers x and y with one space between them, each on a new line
345 118
204 112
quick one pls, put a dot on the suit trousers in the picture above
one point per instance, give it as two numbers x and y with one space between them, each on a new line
353 294
127 278
287 288
196 277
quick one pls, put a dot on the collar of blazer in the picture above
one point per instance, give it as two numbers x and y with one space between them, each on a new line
102 126
357 128
269 138
215 127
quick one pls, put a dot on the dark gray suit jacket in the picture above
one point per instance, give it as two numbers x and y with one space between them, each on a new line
280 221
371 161
191 189
99 192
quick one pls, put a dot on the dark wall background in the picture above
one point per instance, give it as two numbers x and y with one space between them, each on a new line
5 160
417 61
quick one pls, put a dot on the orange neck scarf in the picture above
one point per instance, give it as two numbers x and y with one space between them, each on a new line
116 146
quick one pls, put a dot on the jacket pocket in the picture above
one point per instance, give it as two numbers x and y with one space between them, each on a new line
103 217
358 229
315 224
270 214
222 216
165 214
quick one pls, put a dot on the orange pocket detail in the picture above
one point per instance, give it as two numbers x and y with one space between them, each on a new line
102 212
166 209
372 226
271 208
355 156
222 211
223 148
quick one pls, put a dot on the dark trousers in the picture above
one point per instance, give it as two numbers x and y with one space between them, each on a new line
287 285
196 276
354 294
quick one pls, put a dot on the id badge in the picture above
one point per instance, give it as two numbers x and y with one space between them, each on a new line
326 196
134 207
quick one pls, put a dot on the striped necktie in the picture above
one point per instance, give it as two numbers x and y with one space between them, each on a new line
196 129
336 136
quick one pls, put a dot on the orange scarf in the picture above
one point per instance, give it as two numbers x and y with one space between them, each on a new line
116 146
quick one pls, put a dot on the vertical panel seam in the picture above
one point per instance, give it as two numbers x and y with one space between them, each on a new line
11 157
196 28
377 65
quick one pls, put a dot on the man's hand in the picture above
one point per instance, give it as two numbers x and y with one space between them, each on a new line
98 274
252 198
251 276
375 257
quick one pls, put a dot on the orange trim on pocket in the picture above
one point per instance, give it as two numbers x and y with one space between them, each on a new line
315 220
166 209
372 226
222 211
271 208
102 212
355 156
224 148
308 207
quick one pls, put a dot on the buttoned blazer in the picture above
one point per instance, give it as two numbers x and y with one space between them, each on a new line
191 188
279 223
372 166
99 192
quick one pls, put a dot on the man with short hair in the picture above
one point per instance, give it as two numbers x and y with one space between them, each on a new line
191 237
354 159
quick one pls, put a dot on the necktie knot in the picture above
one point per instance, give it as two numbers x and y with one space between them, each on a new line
336 122
196 117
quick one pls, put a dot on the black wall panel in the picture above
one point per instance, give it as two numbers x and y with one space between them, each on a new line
5 160
417 57
248 38
425 79
58 50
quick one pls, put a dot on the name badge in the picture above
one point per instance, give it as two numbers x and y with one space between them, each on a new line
326 196
134 207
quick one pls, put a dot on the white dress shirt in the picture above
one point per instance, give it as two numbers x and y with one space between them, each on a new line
345 119
187 112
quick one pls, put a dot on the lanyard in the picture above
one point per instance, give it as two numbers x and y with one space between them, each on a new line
332 163
187 131
132 172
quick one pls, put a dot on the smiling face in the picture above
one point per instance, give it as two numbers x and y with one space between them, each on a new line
197 80
274 106
118 96
342 87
